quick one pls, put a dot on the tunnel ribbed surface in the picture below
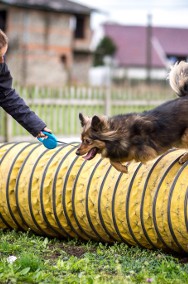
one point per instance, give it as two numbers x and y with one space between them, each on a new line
56 193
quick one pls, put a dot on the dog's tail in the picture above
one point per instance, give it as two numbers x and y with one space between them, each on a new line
178 78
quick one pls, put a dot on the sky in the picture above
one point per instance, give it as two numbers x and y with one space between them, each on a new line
166 13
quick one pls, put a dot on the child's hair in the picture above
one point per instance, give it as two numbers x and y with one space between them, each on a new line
3 39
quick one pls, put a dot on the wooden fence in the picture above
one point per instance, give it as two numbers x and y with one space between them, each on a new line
59 108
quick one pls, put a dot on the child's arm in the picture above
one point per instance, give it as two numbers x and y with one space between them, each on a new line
14 105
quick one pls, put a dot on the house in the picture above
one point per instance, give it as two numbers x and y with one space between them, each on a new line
49 41
146 51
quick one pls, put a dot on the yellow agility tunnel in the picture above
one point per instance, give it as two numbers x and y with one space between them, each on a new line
58 194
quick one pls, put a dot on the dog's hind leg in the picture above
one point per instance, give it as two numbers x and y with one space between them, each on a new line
184 141
183 158
119 167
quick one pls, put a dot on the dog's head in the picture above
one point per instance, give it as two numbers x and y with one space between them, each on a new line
91 143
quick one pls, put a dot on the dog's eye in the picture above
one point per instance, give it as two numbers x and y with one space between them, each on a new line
87 141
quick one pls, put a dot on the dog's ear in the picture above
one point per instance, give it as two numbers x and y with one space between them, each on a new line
96 123
83 119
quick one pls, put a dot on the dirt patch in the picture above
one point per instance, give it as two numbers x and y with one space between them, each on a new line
57 249
76 251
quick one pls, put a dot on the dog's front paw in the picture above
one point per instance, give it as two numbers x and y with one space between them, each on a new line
183 158
124 169
119 167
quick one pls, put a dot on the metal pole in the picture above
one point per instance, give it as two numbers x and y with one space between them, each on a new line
149 49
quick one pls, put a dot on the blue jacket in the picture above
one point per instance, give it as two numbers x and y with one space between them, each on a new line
14 105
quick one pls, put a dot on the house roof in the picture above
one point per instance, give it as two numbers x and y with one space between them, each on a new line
52 5
131 42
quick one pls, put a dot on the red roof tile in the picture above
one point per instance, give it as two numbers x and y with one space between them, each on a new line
131 42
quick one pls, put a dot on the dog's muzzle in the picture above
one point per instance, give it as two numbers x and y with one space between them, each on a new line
78 152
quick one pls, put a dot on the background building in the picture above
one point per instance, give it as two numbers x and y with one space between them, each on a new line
49 41
145 51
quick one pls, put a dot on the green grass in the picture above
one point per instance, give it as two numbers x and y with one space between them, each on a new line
43 260
62 118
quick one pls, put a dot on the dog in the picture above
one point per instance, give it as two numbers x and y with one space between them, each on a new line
140 136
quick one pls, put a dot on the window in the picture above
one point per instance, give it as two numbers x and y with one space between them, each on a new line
80 27
173 58
3 17
63 59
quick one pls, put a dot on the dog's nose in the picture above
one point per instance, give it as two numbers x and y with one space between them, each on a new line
77 152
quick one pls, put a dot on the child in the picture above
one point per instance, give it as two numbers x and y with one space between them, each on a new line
11 102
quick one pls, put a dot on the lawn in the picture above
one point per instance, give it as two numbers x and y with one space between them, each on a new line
27 258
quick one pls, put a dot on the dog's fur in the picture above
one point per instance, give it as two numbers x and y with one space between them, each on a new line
140 136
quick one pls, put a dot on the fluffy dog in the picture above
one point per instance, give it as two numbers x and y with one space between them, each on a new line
140 136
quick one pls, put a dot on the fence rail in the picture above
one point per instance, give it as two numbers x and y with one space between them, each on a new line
59 108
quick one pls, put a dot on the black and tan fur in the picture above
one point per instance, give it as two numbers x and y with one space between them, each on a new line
140 136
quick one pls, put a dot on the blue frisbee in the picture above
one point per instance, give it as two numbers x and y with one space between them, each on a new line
50 142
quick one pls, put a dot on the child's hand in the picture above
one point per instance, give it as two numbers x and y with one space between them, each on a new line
41 134
3 44
3 50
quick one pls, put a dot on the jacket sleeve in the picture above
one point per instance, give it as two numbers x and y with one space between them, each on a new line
14 105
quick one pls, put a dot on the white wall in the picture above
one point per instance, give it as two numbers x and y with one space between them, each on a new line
101 76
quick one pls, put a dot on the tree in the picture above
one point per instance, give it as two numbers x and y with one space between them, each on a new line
105 47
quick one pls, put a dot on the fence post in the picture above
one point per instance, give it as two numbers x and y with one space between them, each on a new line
8 127
108 101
